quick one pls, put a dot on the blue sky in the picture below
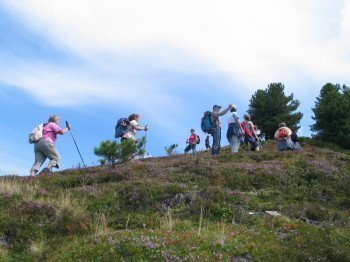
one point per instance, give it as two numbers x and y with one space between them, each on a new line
168 61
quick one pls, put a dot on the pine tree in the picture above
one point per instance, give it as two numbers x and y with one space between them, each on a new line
332 118
271 106
113 151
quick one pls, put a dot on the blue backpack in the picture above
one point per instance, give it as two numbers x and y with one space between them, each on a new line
207 125
122 127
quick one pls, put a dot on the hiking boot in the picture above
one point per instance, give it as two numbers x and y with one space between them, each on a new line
46 171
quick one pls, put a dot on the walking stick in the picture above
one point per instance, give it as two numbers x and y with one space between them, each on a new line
144 145
76 144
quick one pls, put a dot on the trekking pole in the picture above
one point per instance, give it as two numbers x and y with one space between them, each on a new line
144 145
76 144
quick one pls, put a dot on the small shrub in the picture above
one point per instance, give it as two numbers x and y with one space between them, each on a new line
171 149
113 151
316 213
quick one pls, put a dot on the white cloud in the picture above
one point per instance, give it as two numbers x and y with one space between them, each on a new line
254 42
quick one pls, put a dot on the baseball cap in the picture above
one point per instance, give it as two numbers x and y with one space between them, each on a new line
216 106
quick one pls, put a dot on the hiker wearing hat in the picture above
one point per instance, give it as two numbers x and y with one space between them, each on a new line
192 142
216 134
234 130
249 133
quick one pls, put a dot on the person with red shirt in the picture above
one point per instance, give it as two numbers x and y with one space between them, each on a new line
192 142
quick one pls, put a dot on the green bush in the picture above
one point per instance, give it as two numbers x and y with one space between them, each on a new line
114 152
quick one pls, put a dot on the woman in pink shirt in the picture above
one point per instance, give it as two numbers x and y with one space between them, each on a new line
45 147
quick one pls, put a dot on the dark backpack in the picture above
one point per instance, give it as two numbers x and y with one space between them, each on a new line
294 137
198 140
122 127
232 130
207 125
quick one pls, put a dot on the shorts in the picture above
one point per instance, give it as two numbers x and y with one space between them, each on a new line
253 142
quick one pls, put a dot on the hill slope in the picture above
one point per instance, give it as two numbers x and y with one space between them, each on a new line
183 208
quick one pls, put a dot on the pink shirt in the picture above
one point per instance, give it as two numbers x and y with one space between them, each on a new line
50 132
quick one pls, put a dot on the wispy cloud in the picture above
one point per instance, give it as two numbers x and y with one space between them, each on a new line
255 42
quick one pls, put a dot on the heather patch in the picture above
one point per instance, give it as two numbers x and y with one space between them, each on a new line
250 206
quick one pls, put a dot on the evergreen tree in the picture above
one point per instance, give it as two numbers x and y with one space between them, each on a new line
332 117
113 151
271 106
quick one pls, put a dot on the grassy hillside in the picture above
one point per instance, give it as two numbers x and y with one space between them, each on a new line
183 208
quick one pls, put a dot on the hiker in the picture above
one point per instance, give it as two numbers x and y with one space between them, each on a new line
283 137
45 147
207 142
216 132
258 133
234 130
249 133
192 141
133 127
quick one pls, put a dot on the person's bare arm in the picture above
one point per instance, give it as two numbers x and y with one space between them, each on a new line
253 130
63 131
139 128
239 125
224 111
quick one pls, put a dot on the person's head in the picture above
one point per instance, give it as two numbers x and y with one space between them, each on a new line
256 127
246 117
233 108
282 125
134 117
216 108
192 131
54 119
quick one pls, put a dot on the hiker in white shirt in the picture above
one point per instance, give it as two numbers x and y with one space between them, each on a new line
134 127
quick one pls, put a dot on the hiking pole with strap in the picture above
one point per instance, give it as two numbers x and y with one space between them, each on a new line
67 125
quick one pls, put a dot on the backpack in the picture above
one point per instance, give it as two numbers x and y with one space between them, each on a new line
248 133
122 127
282 133
233 130
207 125
294 137
198 140
36 134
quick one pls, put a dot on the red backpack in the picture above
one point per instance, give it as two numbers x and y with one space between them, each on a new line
247 132
282 133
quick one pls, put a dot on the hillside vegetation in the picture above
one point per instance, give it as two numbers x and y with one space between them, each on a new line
182 208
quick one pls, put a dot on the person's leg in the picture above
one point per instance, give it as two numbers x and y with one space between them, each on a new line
219 130
252 142
39 159
256 145
51 152
230 141
216 141
194 149
235 143
188 148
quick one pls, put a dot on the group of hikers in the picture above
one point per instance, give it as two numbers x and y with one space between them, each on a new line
238 133
44 136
